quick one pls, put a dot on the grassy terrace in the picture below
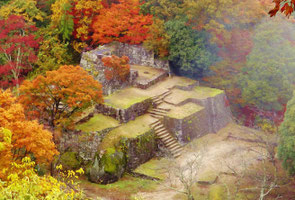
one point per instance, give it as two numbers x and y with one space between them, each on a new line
184 111
125 98
98 122
198 92
154 168
132 129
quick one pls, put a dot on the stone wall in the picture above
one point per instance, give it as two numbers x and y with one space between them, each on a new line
140 149
84 144
217 110
125 115
138 55
188 128
91 62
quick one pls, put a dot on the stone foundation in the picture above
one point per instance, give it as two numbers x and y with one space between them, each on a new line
188 128
140 149
217 111
125 115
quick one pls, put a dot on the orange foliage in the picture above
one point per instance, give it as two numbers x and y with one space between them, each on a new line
121 22
284 6
60 95
28 137
117 68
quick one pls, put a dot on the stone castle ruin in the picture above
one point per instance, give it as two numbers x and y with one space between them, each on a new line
140 118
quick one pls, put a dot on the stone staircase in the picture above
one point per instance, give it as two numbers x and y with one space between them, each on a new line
158 99
169 141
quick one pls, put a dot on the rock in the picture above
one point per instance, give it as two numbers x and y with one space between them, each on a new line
109 168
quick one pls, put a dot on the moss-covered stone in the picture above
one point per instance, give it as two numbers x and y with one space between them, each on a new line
109 168
70 160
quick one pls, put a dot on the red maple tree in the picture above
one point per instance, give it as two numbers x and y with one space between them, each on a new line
121 22
116 68
19 46
284 6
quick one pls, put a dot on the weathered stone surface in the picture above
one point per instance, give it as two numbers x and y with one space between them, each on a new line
140 149
218 111
91 62
84 144
138 55
185 129
144 84
125 115
109 168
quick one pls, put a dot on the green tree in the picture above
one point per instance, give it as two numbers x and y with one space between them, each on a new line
189 52
286 150
267 79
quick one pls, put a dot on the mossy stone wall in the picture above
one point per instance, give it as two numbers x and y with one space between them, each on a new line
188 128
140 149
125 115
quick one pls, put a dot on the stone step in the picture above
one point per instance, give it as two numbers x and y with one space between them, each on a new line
158 101
156 116
171 142
161 128
160 95
175 148
163 135
155 122
176 155
164 109
177 152
168 140
156 113
156 125
175 145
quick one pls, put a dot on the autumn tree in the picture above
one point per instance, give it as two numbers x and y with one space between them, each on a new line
19 45
83 14
20 136
121 22
60 95
27 9
284 6
61 19
116 68
158 39
53 52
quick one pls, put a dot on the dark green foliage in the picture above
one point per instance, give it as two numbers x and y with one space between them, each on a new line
188 51
267 78
287 138
3 2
